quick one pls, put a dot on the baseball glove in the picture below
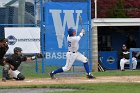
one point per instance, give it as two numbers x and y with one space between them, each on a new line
39 55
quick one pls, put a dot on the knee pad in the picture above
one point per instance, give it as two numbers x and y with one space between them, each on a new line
5 74
6 67
20 77
5 71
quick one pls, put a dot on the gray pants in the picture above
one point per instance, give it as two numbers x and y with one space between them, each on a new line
5 70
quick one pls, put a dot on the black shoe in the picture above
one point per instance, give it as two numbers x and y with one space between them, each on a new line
52 75
90 76
122 70
9 78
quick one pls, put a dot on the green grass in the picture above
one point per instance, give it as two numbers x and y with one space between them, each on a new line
103 88
32 74
118 73
29 71
92 88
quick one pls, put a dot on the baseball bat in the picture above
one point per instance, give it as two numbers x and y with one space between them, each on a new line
81 22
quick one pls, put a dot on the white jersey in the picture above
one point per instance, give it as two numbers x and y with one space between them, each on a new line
73 54
73 42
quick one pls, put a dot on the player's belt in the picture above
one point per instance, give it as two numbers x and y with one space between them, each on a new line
72 52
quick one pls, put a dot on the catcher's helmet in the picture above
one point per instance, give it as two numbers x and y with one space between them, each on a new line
17 49
70 31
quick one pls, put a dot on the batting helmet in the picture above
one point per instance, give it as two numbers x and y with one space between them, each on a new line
17 49
70 31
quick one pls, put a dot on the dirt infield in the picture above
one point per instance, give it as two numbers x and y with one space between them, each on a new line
74 80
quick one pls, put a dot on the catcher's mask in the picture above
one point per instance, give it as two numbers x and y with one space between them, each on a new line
17 49
71 31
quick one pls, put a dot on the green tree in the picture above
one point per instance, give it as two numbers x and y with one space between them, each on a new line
118 11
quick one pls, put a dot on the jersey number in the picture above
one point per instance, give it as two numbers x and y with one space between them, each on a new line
69 44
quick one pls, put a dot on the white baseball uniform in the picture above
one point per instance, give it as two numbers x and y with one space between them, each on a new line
124 61
73 54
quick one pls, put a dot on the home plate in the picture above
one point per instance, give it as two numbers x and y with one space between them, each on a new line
29 81
33 81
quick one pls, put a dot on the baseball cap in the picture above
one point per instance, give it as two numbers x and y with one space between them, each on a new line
71 30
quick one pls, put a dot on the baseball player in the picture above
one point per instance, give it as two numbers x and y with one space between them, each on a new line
125 58
73 54
14 62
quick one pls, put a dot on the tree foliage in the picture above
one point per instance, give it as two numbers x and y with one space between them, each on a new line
117 8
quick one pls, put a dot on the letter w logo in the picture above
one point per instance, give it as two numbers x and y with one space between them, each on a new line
68 19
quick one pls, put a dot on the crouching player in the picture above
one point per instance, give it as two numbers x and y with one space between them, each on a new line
14 62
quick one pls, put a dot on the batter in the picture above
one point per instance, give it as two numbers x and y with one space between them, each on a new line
73 54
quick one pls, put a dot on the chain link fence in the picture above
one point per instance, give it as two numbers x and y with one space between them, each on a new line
20 13
17 13
25 13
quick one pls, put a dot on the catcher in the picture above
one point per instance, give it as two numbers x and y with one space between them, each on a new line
3 49
14 62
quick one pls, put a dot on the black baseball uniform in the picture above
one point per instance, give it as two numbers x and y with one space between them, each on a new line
15 60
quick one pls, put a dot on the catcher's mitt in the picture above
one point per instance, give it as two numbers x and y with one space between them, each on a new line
39 55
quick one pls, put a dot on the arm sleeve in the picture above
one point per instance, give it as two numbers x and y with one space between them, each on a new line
79 36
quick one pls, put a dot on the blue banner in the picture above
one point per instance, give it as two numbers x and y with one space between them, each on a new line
59 16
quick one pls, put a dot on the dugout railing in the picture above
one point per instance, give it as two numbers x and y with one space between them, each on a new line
137 50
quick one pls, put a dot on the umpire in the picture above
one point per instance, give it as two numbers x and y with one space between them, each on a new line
3 49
